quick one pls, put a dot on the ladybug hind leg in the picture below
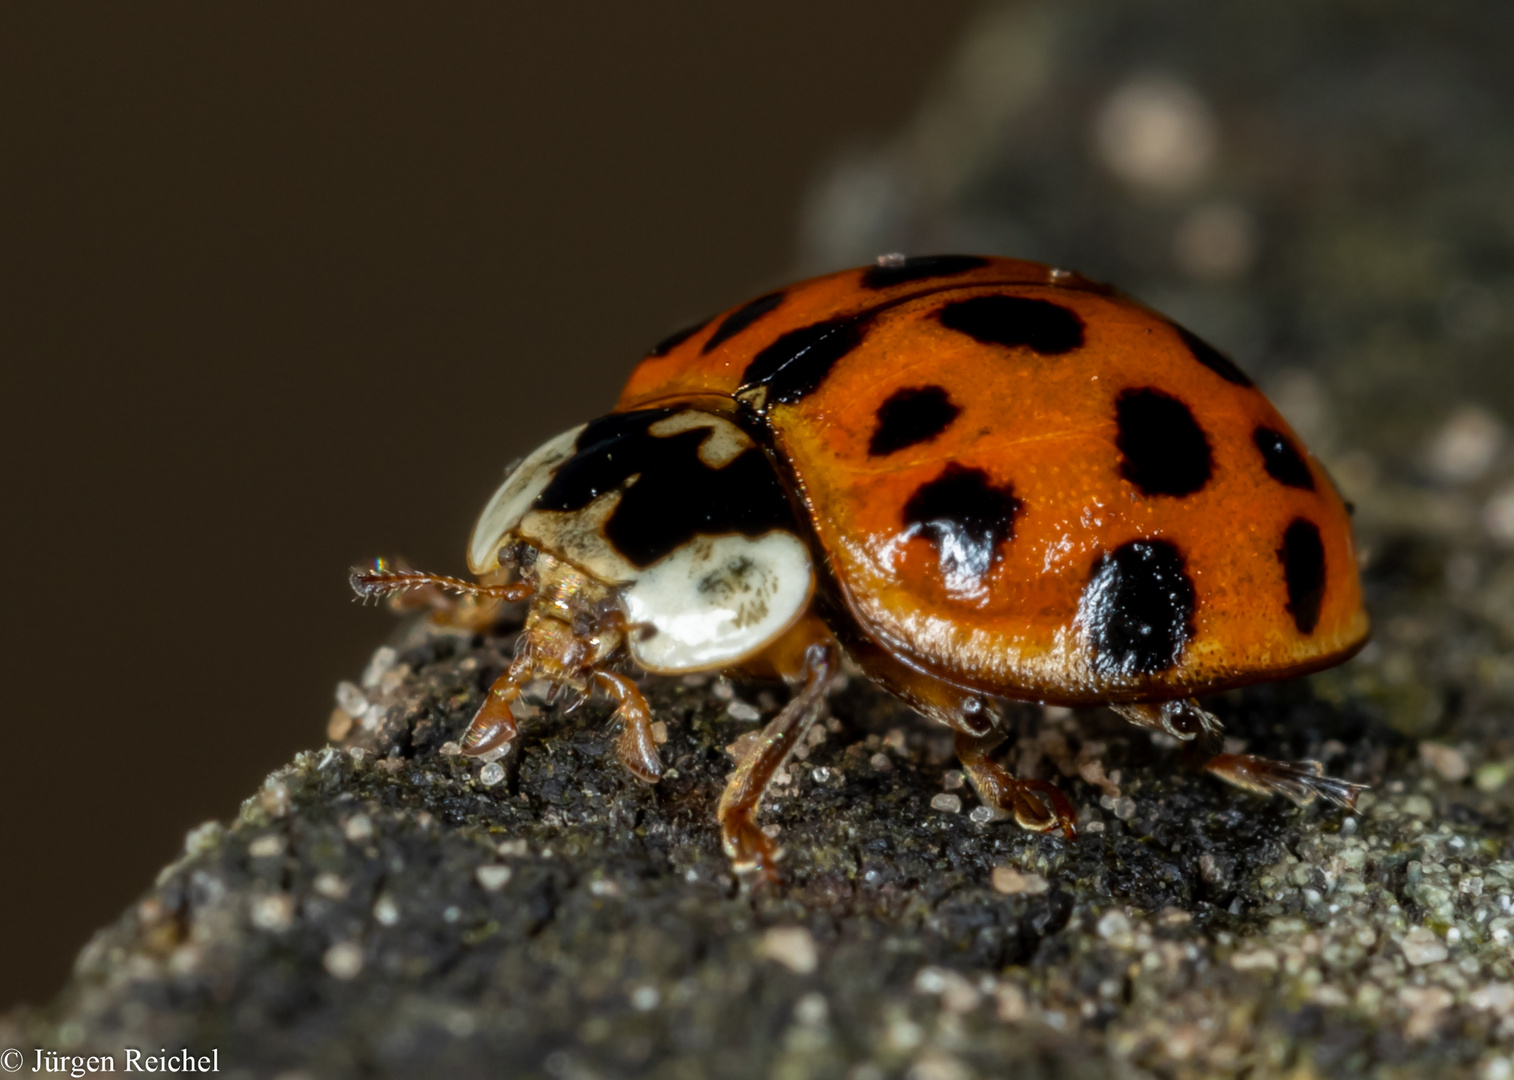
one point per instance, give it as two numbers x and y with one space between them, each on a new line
1300 781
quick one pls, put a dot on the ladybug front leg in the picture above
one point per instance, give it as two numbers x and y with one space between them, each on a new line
1036 804
636 748
749 849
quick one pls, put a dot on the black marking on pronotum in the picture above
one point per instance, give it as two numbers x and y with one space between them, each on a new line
1165 451
1282 460
1303 559
1137 609
1043 327
913 415
1213 359
919 266
741 318
675 497
794 366
967 518
677 338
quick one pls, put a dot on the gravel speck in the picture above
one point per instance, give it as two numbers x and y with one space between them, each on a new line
791 946
344 960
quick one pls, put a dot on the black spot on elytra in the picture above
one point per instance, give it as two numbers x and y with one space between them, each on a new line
677 338
1043 327
913 415
1282 460
794 366
1137 609
920 266
1165 451
741 318
968 520
675 497
1213 359
1303 559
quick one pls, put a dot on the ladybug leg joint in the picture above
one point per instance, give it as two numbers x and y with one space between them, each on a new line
1184 720
750 850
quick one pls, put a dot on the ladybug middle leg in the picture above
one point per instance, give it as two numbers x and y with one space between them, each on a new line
1037 805
748 847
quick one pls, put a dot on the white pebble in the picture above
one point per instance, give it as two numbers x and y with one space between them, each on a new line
947 804
743 711
493 878
274 913
1156 132
983 815
1421 947
351 699
791 946
1006 879
386 911
331 886
1498 516
344 960
512 848
811 1009
378 666
1450 762
359 827
1465 447
953 779
491 774
266 847
880 762
645 998
1114 927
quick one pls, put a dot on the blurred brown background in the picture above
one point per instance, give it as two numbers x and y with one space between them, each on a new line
284 288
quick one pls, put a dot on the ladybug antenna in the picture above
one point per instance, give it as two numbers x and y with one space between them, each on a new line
382 581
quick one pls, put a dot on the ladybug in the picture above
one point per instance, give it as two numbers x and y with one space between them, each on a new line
979 478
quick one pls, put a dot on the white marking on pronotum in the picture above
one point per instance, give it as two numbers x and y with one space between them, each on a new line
515 497
724 443
717 600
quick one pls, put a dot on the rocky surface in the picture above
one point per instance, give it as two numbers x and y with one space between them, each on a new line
1331 203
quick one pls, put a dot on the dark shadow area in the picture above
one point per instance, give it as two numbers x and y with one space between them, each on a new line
285 288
